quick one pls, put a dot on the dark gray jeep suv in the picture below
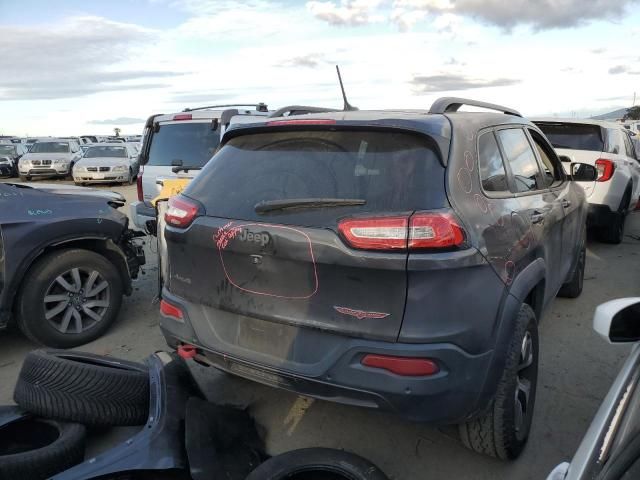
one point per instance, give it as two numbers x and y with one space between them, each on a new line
388 259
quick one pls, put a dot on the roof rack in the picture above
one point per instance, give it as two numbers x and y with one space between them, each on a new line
260 107
452 104
300 110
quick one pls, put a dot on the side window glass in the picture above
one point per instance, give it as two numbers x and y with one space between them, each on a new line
492 173
522 161
628 146
551 175
616 142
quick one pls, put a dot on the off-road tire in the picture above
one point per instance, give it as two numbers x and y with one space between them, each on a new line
493 432
83 388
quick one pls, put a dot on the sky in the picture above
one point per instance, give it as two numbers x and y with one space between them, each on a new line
73 67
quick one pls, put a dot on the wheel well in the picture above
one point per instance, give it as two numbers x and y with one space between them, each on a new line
535 299
103 247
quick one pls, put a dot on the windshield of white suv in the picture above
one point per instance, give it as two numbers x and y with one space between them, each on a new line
188 144
101 152
50 147
574 136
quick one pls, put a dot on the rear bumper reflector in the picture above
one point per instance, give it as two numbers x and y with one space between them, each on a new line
404 366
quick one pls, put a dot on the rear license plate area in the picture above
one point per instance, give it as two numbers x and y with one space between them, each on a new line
268 338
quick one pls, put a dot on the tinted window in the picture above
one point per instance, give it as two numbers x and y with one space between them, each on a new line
492 172
391 172
98 152
550 168
187 143
50 147
573 136
524 166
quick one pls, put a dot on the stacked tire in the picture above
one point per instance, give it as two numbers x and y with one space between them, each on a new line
60 393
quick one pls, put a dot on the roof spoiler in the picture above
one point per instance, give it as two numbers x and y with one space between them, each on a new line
260 107
300 110
452 104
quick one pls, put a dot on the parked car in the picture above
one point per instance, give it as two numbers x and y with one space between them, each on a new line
107 163
610 450
9 156
182 140
606 146
51 158
386 259
66 258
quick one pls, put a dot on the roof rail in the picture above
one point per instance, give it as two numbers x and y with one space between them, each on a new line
261 107
301 110
452 104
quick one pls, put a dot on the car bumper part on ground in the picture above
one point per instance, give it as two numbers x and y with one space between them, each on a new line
160 443
449 396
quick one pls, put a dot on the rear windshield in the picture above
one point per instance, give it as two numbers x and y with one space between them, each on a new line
50 147
385 171
574 136
189 143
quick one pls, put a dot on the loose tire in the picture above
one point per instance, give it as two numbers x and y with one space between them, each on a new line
60 304
83 388
33 448
503 430
317 464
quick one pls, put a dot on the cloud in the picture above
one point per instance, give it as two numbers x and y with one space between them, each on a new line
345 12
538 14
80 56
598 51
452 82
200 97
311 60
620 69
117 121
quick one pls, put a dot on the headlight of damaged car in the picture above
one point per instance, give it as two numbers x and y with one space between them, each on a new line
120 168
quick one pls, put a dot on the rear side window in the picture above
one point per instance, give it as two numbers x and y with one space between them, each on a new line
390 172
492 172
187 143
522 161
629 146
574 136
616 141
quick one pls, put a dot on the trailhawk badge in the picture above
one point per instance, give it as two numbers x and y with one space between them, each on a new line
359 314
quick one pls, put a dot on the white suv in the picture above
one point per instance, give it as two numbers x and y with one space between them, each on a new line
606 146
187 140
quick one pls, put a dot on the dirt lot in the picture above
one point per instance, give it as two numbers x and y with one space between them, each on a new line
577 369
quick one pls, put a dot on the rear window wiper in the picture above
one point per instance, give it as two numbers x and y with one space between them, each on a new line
303 203
185 168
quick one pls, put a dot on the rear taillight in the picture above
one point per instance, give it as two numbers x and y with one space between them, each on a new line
420 231
605 169
169 310
139 185
405 366
181 212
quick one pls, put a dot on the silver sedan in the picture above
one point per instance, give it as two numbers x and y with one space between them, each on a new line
107 163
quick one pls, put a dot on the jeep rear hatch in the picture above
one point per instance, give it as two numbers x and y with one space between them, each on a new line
308 228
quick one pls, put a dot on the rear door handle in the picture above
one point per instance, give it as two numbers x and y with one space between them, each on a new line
537 218
566 203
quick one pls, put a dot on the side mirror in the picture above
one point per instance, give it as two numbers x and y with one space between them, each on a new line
583 172
618 321
565 159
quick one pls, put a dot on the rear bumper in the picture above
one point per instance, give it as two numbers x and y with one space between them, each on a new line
141 213
450 396
599 215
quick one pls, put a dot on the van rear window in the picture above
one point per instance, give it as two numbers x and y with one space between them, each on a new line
573 136
385 172
187 143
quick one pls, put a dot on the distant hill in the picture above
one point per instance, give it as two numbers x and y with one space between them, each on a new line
615 115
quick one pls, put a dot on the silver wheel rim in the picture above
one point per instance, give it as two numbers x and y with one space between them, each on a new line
76 300
523 386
